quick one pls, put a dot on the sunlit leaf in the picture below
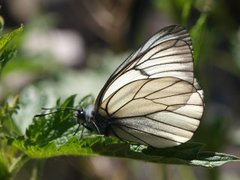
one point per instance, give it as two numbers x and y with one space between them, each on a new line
53 135
8 46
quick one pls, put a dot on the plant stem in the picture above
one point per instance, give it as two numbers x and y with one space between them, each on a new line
17 164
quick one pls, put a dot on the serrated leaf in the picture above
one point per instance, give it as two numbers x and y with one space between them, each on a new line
4 173
214 159
7 125
54 136
7 46
110 146
47 128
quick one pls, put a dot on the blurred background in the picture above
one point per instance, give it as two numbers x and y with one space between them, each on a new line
72 47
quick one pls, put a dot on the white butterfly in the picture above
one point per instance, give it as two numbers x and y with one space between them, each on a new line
153 97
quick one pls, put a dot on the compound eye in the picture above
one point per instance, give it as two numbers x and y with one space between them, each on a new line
81 114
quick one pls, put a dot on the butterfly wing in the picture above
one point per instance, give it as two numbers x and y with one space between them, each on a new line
160 112
168 40
153 98
173 32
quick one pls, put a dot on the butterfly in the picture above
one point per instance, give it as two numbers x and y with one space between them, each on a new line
152 98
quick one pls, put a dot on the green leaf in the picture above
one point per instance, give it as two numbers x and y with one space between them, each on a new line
214 159
47 128
7 125
54 135
4 173
8 46
198 32
187 154
186 11
1 23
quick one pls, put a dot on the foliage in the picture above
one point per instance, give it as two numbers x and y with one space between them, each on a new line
53 135
8 46
8 154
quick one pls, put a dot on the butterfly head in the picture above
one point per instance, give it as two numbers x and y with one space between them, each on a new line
86 118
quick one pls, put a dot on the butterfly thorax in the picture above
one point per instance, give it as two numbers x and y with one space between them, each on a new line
93 121
103 124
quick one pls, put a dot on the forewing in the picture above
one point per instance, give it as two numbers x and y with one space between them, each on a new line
167 53
173 32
